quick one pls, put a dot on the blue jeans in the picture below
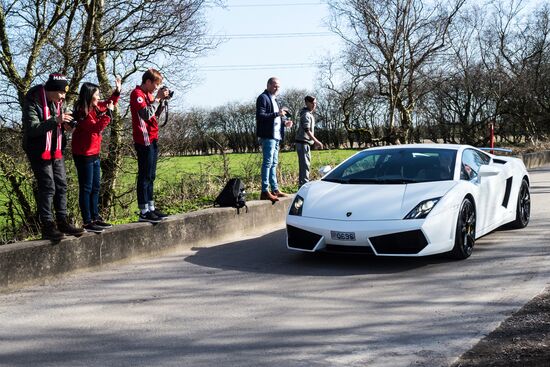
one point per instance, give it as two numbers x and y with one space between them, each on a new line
147 170
270 150
89 178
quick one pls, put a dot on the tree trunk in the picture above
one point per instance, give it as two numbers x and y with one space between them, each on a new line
110 166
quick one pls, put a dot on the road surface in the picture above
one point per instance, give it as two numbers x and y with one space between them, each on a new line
253 303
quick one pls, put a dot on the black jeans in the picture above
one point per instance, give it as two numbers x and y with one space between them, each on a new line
147 169
51 179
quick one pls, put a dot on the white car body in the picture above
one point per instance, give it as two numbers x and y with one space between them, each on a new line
345 217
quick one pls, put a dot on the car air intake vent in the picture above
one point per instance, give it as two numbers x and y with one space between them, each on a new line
301 239
499 161
349 249
410 242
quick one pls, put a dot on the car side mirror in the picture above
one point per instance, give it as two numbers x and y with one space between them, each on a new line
324 170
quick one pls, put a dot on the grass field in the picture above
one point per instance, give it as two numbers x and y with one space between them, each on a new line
188 183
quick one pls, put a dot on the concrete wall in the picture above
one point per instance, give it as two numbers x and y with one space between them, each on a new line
534 160
25 262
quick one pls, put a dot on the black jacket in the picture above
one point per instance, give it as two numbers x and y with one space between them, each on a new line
265 117
34 126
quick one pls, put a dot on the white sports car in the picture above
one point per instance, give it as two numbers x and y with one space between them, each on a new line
410 200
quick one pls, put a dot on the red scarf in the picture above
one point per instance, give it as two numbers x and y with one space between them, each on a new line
47 154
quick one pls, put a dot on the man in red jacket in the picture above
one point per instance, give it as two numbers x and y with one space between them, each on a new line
145 111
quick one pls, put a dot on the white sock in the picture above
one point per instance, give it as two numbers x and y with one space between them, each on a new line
143 211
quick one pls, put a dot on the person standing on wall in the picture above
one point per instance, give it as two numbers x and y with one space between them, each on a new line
44 126
145 111
270 130
91 116
305 139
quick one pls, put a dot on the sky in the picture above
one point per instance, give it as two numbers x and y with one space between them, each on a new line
285 38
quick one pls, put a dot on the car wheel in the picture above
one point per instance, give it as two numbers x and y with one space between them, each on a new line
465 235
523 209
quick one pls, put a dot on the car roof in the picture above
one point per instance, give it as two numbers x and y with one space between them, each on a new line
422 146
455 147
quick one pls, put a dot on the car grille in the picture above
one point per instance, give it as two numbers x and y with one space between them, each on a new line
301 239
410 242
349 249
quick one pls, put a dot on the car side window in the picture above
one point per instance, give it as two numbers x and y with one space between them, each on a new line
472 160
470 164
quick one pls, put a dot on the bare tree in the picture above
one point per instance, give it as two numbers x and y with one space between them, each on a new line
95 39
395 40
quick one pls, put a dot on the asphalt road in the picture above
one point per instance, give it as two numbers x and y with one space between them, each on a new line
253 303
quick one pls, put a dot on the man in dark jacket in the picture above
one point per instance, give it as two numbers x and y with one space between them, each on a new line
44 125
270 129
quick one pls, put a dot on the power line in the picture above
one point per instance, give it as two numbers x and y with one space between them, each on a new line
273 35
256 67
274 5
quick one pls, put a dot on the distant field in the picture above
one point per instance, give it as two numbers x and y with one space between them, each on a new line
241 164
190 183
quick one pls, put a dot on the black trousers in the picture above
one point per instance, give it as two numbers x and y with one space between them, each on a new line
51 179
147 170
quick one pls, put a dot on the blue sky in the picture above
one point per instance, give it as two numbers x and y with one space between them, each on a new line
278 38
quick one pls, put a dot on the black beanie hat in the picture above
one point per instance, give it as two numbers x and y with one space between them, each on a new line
57 83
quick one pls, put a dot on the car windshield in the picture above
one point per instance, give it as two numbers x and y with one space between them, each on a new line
396 166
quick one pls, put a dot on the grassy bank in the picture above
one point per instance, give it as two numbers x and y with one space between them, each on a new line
184 183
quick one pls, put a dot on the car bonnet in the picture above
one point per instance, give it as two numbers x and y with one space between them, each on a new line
334 201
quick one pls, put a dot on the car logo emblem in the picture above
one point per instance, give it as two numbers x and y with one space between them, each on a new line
348 214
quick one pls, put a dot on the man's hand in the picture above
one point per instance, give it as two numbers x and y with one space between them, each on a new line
318 145
64 118
163 93
118 84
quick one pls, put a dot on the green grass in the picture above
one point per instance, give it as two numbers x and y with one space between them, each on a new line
190 183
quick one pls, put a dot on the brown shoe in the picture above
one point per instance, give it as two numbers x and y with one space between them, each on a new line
266 195
279 194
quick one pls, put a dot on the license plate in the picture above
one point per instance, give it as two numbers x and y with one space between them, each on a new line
342 236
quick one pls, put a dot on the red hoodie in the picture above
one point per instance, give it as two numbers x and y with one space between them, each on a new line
87 134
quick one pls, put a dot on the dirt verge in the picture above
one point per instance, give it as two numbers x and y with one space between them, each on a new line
521 340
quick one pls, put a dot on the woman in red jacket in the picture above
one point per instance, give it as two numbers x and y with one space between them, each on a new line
91 116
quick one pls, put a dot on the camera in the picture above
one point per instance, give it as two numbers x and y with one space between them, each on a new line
170 92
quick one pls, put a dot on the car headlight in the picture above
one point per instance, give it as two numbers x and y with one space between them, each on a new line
296 207
422 210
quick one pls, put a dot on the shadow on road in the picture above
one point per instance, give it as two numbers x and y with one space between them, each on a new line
268 254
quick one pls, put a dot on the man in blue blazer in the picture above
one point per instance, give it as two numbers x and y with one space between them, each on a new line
270 129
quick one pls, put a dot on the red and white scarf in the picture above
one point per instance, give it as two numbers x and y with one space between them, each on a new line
47 154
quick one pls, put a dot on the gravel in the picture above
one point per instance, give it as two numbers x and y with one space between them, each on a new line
521 340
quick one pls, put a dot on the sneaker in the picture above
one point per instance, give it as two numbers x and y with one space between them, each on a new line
64 226
160 214
50 232
99 222
149 217
93 227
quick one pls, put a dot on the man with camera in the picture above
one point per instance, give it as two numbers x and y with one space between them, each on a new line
305 139
270 129
44 126
146 109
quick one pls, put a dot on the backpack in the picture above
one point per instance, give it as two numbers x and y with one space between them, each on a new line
232 195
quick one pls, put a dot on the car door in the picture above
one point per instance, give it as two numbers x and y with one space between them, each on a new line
485 187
